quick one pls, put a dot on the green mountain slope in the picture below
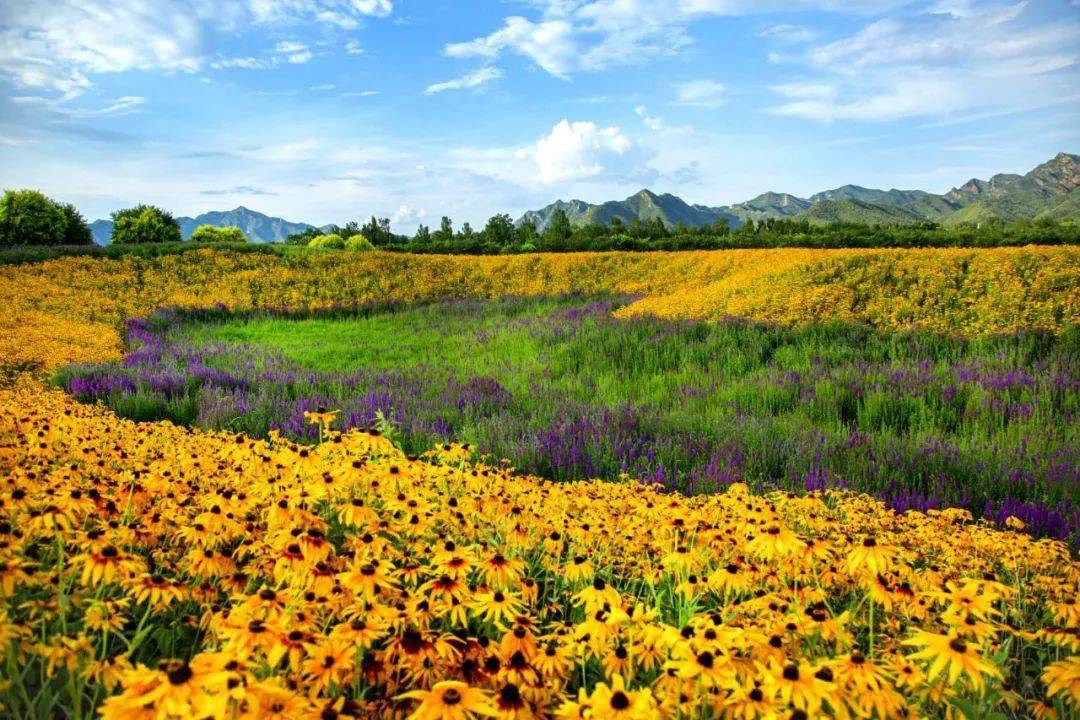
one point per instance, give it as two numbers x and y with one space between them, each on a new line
1005 196
861 212
880 197
642 205
770 204
1067 209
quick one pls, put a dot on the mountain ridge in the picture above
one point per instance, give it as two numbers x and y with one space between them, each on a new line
1041 192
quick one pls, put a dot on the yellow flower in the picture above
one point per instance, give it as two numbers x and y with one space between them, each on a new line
449 700
952 656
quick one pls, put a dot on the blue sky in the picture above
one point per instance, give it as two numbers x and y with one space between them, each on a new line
331 110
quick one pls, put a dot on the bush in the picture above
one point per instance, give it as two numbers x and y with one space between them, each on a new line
76 231
333 240
211 233
358 243
27 217
144 224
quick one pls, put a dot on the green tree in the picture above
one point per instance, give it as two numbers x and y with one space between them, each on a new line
445 234
499 230
144 224
27 217
423 235
76 231
526 234
211 233
559 231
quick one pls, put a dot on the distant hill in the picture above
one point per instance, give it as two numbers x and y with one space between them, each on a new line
256 226
770 204
642 205
861 212
882 197
1046 191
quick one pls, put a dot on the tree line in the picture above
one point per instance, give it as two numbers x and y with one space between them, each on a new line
502 236
29 218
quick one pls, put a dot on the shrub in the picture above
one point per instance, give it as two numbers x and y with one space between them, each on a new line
211 233
333 240
358 243
27 217
144 224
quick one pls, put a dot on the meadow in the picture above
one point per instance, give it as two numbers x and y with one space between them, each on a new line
286 566
565 390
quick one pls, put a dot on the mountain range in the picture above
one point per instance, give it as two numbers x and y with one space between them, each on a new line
256 226
1050 190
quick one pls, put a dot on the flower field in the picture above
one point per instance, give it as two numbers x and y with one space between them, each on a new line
155 571
568 391
72 309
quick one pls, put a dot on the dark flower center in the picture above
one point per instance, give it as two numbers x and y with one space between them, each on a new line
619 700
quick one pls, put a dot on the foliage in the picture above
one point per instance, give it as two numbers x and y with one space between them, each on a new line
213 234
333 241
27 217
358 242
144 224
76 231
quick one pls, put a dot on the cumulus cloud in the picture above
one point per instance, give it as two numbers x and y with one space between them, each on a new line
473 79
572 151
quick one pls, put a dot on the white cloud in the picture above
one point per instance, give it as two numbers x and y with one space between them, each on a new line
788 34
575 35
120 106
572 151
353 47
653 123
245 63
362 93
324 86
549 44
473 79
60 45
405 214
960 56
293 52
701 93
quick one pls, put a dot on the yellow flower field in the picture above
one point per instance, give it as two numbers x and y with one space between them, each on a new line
150 572
70 309
185 574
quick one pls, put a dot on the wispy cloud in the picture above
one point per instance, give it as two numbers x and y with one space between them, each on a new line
238 190
956 58
473 79
701 93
